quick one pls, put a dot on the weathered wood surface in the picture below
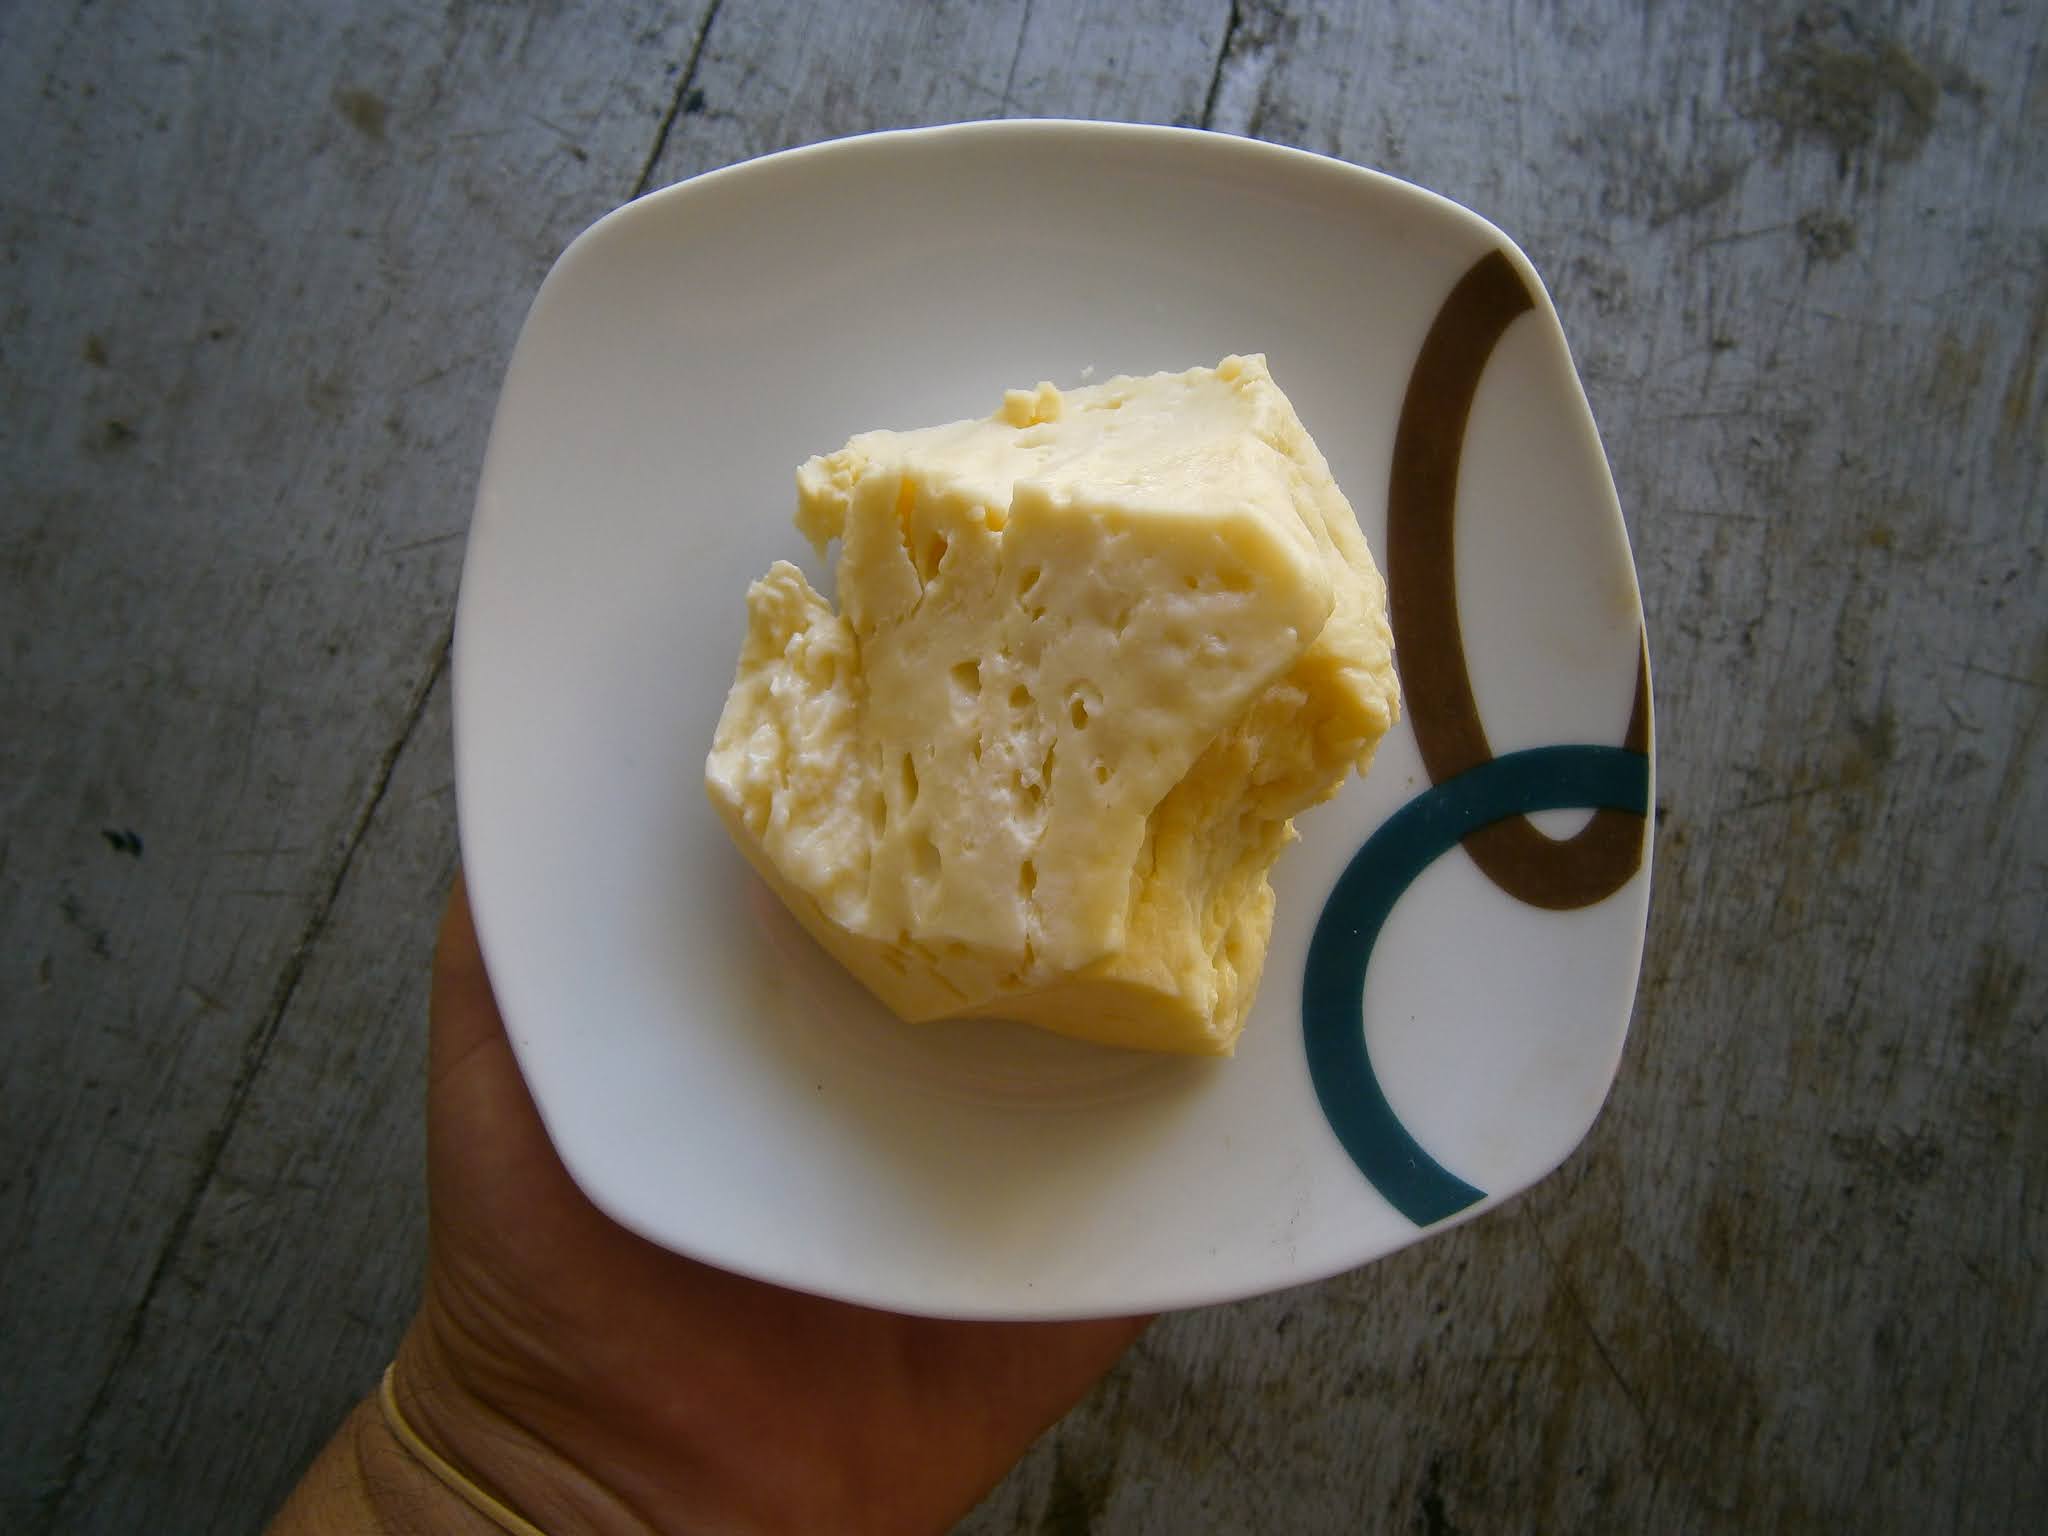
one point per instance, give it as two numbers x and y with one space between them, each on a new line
263 266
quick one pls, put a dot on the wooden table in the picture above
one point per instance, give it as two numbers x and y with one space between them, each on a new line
263 267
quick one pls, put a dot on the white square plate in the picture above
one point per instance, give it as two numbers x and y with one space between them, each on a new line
716 1083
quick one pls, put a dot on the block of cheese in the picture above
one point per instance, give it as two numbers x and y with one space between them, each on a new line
1089 658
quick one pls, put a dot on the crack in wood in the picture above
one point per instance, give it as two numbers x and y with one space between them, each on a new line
1222 61
675 106
1008 100
254 1052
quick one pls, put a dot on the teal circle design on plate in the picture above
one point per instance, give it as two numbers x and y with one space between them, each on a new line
1333 985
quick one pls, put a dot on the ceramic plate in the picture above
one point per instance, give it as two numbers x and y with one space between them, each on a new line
1456 951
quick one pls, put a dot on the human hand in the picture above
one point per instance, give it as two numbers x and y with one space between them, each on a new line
596 1382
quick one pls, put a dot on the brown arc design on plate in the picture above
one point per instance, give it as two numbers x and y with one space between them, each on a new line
1422 583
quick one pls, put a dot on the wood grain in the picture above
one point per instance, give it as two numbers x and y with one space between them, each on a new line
1794 1280
778 73
263 269
300 1263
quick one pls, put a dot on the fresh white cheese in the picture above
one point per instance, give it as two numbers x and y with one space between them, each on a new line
1089 658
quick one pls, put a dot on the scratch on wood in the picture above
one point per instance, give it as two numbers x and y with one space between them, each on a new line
1738 236
2014 678
1008 99
566 135
1783 797
1578 1303
2019 392
427 543
2028 738
1969 1434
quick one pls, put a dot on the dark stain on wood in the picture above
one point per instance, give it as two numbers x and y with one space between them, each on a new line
93 932
1832 84
1868 749
123 840
1991 1009
1899 1158
1083 1476
1429 1502
1826 236
363 111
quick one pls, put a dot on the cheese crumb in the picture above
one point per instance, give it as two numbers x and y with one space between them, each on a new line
1029 407
1090 657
